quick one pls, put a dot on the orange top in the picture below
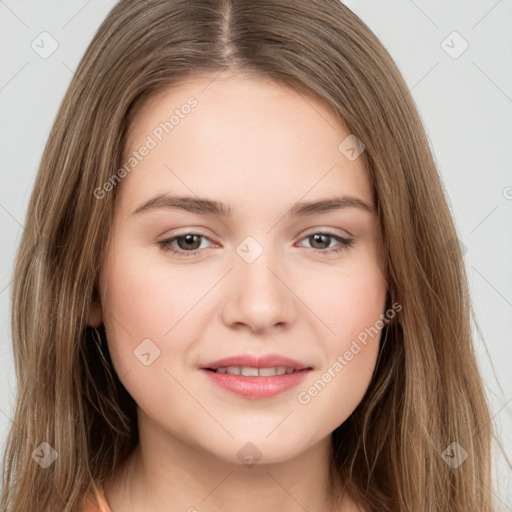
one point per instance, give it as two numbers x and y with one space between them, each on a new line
96 501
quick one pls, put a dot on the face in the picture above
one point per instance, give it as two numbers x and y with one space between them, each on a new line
243 268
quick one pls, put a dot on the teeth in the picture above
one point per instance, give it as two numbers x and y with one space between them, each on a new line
266 372
247 371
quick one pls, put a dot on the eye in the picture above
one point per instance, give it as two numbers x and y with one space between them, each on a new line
324 238
188 244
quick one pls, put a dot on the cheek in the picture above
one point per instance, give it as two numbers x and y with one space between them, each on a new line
140 302
351 306
348 303
136 302
145 312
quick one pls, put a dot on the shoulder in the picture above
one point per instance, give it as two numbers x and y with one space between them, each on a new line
95 500
350 505
90 504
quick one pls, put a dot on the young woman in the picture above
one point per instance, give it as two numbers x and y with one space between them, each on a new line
239 286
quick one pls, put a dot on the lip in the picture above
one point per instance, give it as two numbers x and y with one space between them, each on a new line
256 361
256 387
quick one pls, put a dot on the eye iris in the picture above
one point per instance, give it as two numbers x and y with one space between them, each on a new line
189 240
318 239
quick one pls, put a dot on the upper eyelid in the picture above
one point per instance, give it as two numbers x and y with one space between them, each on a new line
328 232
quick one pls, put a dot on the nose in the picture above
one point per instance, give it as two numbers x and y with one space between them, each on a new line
259 294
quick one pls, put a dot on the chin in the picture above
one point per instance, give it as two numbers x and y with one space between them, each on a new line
258 449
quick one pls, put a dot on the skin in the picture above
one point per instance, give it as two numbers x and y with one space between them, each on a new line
258 147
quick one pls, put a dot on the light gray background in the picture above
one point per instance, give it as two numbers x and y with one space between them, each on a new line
465 103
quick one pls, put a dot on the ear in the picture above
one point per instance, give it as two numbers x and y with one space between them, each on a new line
95 316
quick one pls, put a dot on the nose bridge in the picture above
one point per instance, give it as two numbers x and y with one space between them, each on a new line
255 259
258 296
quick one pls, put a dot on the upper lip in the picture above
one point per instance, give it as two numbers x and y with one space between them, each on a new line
256 361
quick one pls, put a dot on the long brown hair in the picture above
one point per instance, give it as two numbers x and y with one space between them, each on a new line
426 392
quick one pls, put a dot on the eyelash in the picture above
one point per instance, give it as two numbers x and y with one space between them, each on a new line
166 246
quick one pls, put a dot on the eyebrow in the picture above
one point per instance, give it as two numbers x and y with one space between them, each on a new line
210 207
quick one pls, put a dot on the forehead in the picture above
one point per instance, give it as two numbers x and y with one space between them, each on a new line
221 135
225 103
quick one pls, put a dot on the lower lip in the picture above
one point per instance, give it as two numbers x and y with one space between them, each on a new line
257 387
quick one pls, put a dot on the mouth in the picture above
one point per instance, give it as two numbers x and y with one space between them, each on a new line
254 376
247 371
250 365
